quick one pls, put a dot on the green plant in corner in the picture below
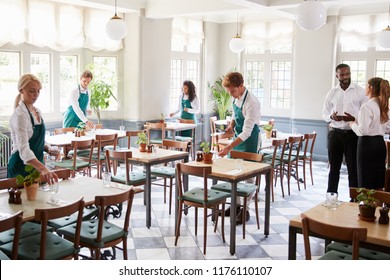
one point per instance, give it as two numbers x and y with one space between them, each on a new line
31 178
221 99
366 198
142 138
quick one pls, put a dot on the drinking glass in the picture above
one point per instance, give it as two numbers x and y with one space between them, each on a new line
294 131
106 179
53 189
122 128
239 162
331 200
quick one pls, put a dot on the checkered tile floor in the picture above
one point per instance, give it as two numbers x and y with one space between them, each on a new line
157 243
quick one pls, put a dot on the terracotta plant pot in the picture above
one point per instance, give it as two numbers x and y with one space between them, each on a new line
208 158
31 191
142 148
366 213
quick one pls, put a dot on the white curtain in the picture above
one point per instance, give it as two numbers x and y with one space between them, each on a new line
55 25
187 31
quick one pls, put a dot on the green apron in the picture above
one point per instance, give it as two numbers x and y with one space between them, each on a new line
70 117
37 145
187 116
250 144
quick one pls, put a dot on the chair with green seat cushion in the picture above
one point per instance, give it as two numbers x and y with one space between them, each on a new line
27 229
14 223
48 245
363 252
244 190
306 156
353 235
88 213
99 233
158 127
199 197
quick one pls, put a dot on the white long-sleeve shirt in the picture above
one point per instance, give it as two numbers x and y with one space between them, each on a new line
251 113
369 120
340 101
22 131
195 104
73 100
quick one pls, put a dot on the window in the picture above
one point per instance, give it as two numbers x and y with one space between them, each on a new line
69 77
40 65
280 84
254 78
358 71
192 71
9 76
176 82
383 69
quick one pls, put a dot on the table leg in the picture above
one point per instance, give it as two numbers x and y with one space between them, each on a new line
292 243
233 214
148 186
267 210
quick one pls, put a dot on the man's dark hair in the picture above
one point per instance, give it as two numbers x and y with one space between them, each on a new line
342 65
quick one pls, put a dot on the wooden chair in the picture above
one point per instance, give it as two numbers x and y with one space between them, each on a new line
275 160
155 126
189 139
290 159
382 196
167 172
244 190
14 224
331 232
221 136
199 197
48 245
306 156
214 134
76 163
99 156
97 234
63 130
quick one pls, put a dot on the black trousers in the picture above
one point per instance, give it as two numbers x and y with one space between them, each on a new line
340 143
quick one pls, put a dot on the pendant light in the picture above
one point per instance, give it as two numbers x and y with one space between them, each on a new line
384 35
237 44
116 27
311 15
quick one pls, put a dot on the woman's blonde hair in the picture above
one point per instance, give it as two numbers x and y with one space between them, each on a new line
22 83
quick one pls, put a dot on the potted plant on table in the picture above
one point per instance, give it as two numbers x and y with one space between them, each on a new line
268 130
30 182
142 141
207 154
367 204
80 129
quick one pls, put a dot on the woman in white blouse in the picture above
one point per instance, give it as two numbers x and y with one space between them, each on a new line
371 149
28 132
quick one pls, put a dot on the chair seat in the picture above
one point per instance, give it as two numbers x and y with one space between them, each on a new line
183 138
136 178
88 213
164 171
56 247
197 195
335 255
28 229
156 141
69 164
243 189
3 256
303 155
363 252
88 232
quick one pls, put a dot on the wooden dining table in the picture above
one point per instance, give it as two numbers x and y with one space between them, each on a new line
70 190
224 169
346 214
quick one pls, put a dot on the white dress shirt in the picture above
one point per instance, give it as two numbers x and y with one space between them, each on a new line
22 131
251 112
340 101
369 120
195 104
73 100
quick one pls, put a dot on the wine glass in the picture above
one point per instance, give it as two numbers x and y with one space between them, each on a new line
53 189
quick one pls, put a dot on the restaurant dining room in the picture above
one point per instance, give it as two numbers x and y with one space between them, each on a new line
160 133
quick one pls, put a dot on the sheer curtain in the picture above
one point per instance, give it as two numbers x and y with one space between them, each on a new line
186 32
59 26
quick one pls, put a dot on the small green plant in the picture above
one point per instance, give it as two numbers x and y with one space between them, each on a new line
31 178
142 138
205 146
162 117
366 198
267 127
81 126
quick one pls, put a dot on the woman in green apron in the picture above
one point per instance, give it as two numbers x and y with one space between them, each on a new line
245 120
188 105
28 132
79 103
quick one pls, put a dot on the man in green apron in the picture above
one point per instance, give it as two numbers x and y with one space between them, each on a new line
79 103
245 120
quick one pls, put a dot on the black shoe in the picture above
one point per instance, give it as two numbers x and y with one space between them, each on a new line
227 212
239 217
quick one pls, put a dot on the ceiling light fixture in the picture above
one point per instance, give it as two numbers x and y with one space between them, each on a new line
311 15
116 27
384 35
237 44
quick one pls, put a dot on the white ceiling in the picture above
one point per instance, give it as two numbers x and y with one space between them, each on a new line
223 11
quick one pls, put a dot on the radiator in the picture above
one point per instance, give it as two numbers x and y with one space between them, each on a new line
5 151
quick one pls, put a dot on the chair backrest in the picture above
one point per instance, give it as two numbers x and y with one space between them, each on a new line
63 130
82 145
200 171
63 174
381 196
336 233
309 140
131 134
279 146
186 121
116 157
212 124
44 215
175 145
102 140
294 146
7 183
103 202
13 222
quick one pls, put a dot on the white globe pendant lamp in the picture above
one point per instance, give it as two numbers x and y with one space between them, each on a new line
311 15
237 44
116 27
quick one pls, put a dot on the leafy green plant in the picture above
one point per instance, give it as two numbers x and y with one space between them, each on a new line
80 126
142 138
221 99
31 178
366 198
267 127
205 146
